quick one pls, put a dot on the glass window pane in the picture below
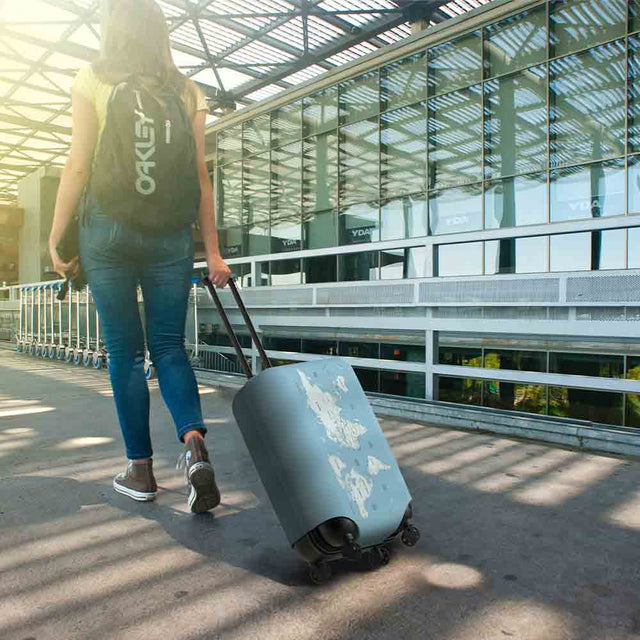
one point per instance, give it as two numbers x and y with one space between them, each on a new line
282 344
320 229
359 162
286 185
358 266
284 272
510 396
634 15
516 255
321 111
392 264
368 378
360 97
634 184
320 269
455 64
459 390
286 124
515 202
587 101
608 249
515 360
634 93
594 191
578 24
403 352
571 252
256 134
286 234
516 123
320 347
517 42
593 251
596 406
455 149
231 242
359 349
359 223
634 248
455 210
399 383
460 259
404 82
229 144
633 410
587 364
229 195
633 368
255 202
404 218
416 262
403 149
320 172
460 356
404 263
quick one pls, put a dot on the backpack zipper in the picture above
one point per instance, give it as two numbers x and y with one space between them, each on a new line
167 131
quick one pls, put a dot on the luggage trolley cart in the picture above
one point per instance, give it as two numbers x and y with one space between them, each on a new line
31 338
42 352
195 356
51 352
20 339
38 342
77 352
87 353
99 355
60 351
68 347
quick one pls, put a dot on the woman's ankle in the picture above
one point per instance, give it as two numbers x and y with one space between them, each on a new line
195 433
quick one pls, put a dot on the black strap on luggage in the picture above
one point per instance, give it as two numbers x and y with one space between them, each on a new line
247 320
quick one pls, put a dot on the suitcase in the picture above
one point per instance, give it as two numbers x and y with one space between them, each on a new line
320 453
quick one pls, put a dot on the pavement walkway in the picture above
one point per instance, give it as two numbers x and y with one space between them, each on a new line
519 540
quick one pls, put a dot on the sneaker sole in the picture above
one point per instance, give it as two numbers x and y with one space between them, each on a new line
204 494
140 496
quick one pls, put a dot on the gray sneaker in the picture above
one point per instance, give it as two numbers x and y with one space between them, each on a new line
200 477
137 481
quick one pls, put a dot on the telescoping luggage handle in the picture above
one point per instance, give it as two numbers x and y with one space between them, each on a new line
247 320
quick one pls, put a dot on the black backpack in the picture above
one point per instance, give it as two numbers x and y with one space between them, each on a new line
145 172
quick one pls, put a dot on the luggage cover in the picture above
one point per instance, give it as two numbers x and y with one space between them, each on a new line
319 449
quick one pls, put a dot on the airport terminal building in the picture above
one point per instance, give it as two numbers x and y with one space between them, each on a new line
456 213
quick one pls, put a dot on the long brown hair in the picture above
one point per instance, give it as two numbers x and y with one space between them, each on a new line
136 40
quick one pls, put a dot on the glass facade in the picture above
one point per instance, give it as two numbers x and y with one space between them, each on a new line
582 404
529 120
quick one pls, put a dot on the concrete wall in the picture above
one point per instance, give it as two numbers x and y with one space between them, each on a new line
37 195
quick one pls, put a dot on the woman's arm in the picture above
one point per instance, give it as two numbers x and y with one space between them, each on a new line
219 272
76 172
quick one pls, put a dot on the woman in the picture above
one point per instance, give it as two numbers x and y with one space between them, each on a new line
118 257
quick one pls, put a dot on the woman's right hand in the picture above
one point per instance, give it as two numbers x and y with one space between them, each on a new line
219 272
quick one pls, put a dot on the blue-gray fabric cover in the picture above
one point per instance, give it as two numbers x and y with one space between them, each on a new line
319 449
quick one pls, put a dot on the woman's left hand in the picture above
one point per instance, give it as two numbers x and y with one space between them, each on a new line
63 269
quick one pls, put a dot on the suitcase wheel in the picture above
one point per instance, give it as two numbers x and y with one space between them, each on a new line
377 557
320 573
410 536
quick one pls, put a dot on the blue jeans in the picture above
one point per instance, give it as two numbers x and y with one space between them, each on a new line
116 259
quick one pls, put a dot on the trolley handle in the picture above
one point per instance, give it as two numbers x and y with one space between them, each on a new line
230 331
